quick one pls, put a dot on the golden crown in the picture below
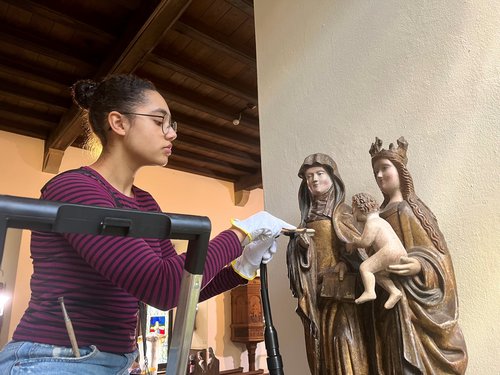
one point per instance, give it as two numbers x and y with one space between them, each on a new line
399 152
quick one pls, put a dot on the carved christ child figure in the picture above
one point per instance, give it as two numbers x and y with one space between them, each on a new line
386 246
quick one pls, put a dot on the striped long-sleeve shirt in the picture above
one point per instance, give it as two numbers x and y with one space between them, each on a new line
102 278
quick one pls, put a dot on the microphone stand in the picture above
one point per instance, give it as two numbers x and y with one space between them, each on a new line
274 361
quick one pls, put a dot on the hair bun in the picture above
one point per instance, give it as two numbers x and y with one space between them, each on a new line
83 92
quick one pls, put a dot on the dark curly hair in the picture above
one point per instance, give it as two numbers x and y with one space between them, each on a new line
121 92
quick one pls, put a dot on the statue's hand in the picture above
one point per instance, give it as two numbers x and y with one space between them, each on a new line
303 241
407 267
341 269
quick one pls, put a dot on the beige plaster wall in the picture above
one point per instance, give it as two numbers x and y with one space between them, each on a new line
20 167
333 75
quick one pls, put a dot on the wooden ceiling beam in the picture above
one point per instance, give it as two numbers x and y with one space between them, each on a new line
50 77
197 31
204 163
248 182
23 130
143 37
194 71
29 113
21 120
32 95
191 144
145 32
230 138
184 167
129 4
45 47
62 19
31 73
204 104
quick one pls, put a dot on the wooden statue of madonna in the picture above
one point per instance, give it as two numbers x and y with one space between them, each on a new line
420 335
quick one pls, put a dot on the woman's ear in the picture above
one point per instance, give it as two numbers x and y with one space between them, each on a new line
117 122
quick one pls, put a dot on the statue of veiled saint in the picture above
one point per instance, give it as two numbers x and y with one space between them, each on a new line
318 271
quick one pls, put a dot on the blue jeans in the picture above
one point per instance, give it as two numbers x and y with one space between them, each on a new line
24 357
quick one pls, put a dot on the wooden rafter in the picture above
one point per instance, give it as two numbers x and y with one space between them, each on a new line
42 46
52 78
62 19
204 104
243 5
200 129
249 182
225 154
211 165
203 34
33 95
192 70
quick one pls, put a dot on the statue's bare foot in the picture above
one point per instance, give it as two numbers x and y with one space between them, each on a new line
366 296
393 299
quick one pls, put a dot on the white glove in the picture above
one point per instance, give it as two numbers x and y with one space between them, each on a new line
255 253
268 255
259 226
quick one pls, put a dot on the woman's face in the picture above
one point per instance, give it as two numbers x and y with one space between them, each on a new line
318 181
145 139
387 176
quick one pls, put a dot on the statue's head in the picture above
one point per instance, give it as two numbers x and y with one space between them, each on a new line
394 157
319 159
362 205
319 174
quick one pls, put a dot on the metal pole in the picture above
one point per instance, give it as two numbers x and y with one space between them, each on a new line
274 361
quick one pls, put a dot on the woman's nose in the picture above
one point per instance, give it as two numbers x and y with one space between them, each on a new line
379 174
171 134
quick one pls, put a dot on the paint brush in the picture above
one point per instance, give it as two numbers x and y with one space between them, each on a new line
289 232
69 328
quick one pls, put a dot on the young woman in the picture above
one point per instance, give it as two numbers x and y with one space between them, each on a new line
103 278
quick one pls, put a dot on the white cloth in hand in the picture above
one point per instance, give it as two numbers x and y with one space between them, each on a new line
260 225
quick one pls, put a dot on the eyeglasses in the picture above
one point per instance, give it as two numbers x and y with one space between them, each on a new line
166 121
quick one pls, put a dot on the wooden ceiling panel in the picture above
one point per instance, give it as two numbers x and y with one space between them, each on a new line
172 44
216 40
43 20
198 8
29 110
200 55
215 12
50 75
200 73
231 22
106 15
